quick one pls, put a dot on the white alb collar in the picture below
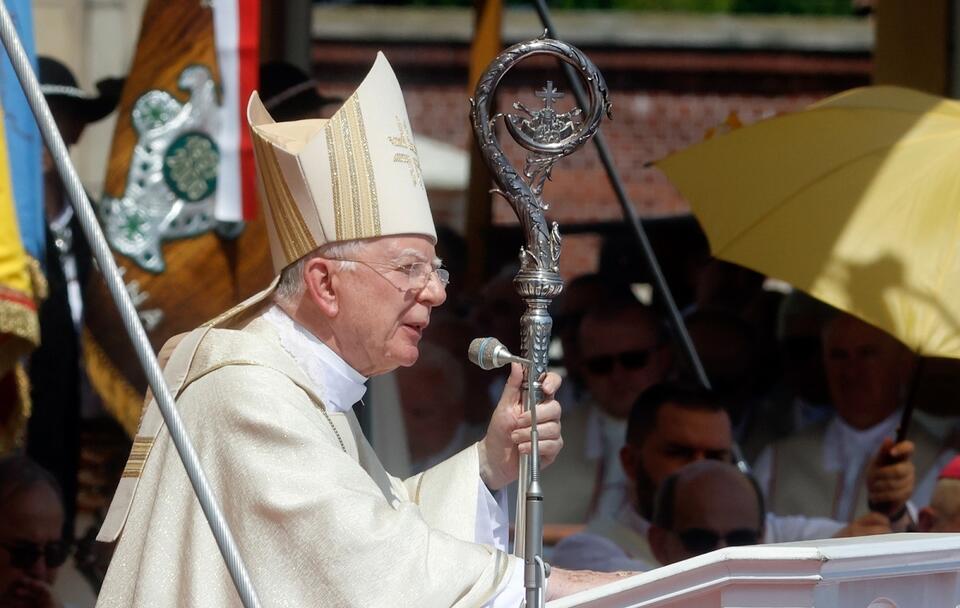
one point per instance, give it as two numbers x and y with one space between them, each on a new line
338 385
845 446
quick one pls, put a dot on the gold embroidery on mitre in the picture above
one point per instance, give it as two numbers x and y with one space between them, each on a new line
333 155
138 456
292 231
355 206
410 156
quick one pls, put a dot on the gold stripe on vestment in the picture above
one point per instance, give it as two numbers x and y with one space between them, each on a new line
138 456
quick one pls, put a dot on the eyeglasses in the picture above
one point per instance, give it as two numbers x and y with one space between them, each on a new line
700 540
24 555
416 274
602 365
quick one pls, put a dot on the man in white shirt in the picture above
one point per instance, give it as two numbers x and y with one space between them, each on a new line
671 426
266 391
821 470
622 351
32 547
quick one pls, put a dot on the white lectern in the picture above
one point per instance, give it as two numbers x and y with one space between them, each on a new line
890 571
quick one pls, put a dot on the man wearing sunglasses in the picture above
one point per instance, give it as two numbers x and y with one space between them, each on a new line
704 506
622 352
31 546
671 426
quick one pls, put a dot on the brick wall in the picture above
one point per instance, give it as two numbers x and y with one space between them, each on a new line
663 100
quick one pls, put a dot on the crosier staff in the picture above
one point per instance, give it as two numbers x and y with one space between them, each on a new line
548 135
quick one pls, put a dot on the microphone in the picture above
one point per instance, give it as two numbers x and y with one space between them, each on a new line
489 353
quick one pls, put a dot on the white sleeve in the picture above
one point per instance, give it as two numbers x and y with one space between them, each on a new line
792 528
493 529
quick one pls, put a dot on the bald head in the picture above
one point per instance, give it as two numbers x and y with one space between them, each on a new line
706 505
943 514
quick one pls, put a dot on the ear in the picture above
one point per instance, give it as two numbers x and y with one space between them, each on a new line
657 537
927 519
320 282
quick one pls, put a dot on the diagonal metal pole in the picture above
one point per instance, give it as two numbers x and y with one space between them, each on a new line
108 267
630 213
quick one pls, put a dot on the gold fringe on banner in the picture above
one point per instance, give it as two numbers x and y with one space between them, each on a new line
13 422
120 399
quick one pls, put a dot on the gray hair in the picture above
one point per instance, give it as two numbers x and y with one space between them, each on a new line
291 286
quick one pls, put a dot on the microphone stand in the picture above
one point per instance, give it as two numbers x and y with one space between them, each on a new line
547 135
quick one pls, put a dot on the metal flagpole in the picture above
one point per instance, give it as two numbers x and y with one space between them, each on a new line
108 267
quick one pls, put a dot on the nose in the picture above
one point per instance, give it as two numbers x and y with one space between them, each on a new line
434 293
38 570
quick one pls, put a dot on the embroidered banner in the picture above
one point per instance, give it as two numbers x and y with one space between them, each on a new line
176 152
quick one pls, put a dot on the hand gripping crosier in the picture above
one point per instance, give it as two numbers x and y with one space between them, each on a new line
548 136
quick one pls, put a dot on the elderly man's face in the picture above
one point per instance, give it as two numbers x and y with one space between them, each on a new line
30 519
381 319
865 370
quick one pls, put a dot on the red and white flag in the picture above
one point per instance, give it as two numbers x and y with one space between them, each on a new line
236 26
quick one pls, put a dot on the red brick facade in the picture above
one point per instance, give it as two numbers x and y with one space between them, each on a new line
662 100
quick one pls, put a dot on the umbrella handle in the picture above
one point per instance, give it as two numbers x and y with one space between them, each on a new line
902 429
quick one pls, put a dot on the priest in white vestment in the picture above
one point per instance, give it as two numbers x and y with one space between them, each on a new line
266 392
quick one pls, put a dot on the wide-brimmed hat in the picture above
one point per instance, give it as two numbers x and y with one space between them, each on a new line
60 87
288 93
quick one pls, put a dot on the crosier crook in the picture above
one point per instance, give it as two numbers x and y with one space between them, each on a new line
548 136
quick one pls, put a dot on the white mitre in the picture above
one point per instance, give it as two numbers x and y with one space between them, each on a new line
354 176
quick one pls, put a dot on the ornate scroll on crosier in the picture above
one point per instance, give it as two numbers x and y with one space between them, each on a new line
548 135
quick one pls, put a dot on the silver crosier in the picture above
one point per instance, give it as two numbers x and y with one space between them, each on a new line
548 136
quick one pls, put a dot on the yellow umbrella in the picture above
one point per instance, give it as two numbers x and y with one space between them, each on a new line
855 200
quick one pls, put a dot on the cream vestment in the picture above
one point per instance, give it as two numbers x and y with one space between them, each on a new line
317 519
821 471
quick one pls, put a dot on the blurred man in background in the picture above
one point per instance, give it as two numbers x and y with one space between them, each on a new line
820 471
32 547
671 426
621 353
704 506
